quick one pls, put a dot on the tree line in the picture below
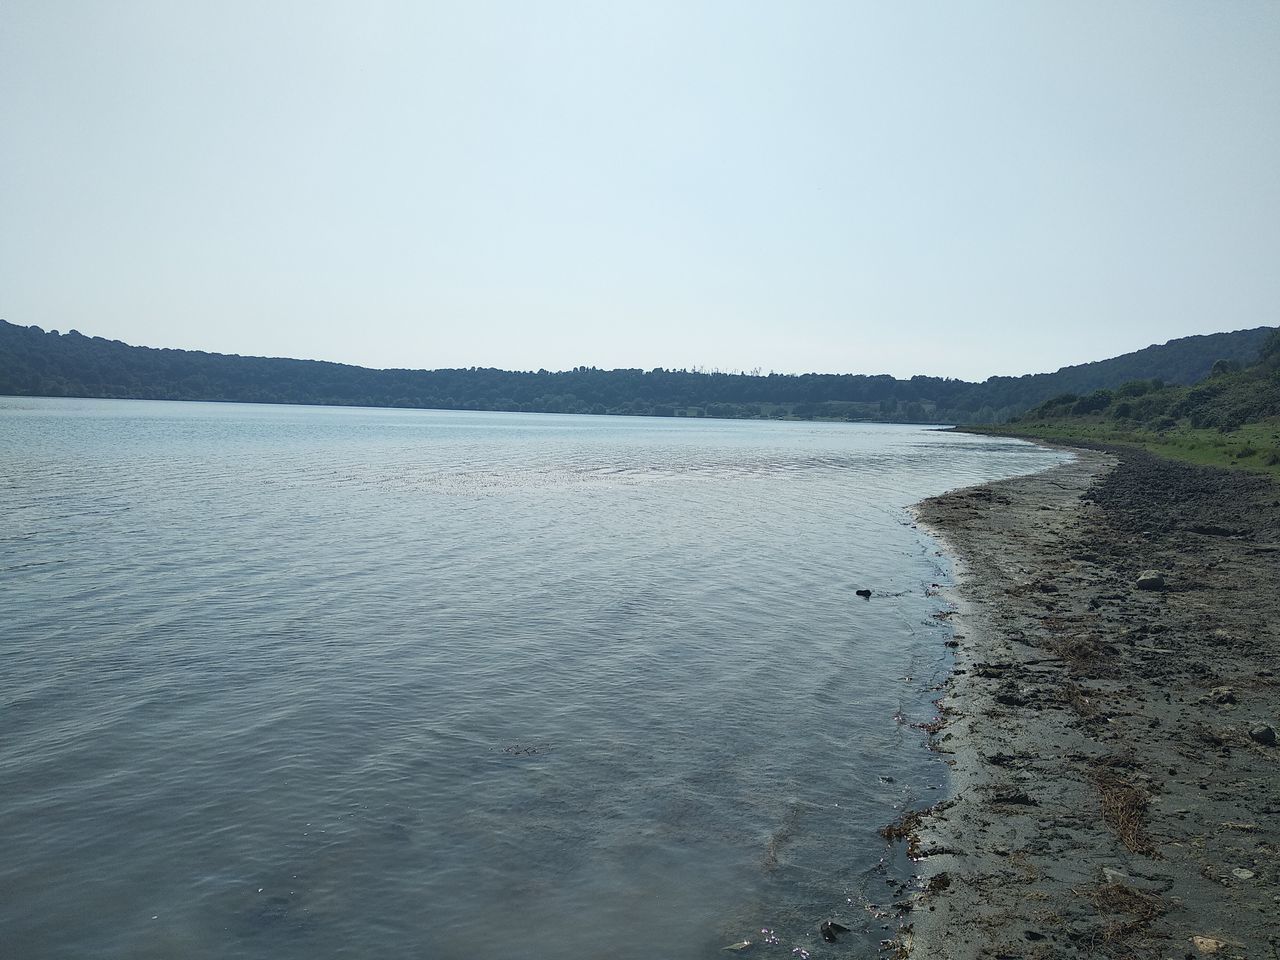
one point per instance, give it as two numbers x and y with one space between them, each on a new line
36 362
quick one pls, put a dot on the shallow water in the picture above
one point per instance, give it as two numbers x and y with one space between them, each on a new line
329 682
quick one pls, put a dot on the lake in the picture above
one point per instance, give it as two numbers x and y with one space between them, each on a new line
299 682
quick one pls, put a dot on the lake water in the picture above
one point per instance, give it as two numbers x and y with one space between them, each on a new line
297 682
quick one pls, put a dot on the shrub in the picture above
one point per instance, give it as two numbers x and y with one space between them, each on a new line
1270 346
1134 388
1097 401
1221 367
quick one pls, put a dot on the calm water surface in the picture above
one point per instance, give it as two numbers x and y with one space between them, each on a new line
300 682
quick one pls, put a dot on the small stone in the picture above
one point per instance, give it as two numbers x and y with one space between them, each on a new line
1150 580
1224 695
1208 944
1264 734
1240 873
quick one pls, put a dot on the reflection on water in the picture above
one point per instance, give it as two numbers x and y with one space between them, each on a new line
299 682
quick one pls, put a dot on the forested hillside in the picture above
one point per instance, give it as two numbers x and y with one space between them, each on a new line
1230 397
34 362
1231 418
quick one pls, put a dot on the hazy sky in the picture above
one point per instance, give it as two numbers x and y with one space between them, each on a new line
951 188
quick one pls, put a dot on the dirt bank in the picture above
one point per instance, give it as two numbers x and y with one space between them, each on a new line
1115 793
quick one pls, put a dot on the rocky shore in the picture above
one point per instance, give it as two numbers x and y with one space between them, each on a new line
1111 718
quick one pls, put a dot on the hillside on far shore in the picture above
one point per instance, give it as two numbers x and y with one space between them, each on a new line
1229 418
36 362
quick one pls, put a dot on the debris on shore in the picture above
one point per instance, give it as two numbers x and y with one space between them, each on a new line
1116 779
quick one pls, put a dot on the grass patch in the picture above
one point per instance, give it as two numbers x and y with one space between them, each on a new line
1254 447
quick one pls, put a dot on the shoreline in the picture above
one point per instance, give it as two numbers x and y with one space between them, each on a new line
1113 793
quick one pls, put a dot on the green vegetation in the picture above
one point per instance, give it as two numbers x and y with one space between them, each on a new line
1230 419
34 362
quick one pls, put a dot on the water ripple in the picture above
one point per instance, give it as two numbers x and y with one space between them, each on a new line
297 682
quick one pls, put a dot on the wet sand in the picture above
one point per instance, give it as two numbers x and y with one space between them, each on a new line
1116 795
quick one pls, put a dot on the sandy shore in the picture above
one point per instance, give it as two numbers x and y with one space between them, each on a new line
1116 795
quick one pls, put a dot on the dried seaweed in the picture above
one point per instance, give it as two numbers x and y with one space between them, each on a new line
1124 807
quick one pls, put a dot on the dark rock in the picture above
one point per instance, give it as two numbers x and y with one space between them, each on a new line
830 930
1211 530
939 882
1150 580
1011 696
939 851
1001 759
995 671
1264 734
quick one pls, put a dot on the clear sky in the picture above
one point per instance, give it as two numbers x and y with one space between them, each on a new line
947 188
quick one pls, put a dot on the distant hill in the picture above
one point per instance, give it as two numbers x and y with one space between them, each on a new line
1183 361
34 362
1230 418
1232 396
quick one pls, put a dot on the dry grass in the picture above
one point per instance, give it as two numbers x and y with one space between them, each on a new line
1085 655
1076 699
1238 825
1022 861
1124 807
1138 909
